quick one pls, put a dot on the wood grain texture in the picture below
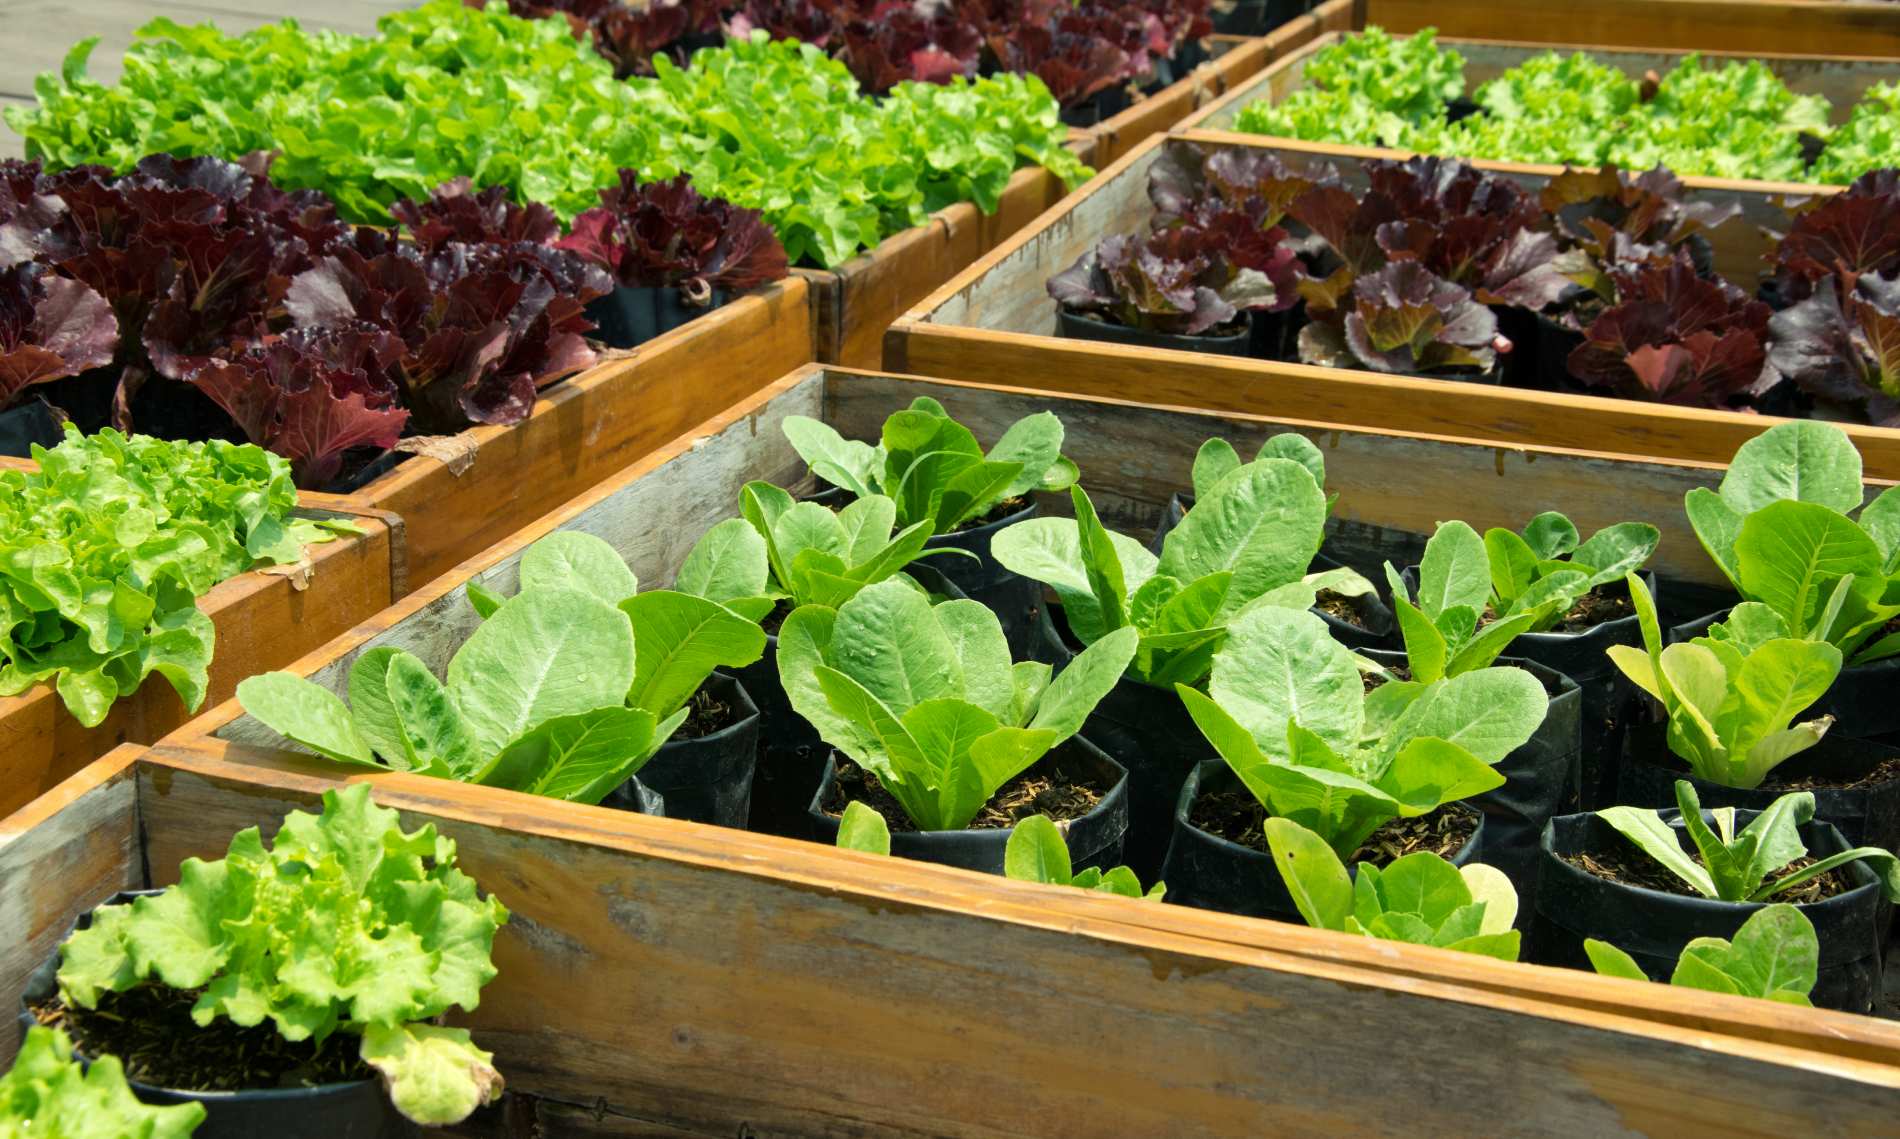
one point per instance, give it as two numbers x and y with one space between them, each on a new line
857 301
263 621
586 428
651 513
663 978
995 324
67 852
1820 27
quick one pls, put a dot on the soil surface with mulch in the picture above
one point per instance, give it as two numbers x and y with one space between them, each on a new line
151 1031
1339 605
1044 789
705 715
1597 607
1238 817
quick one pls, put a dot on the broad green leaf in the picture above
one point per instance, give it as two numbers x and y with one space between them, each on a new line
50 1093
1101 565
1775 683
1034 442
372 710
1551 535
996 759
547 653
1610 961
867 524
1300 449
863 829
1313 874
1489 713
1800 461
1425 885
1617 550
679 639
1263 522
569 559
431 728
1479 651
1489 885
1791 554
1717 525
972 492
1049 550
803 643
1774 952
1076 690
579 757
1282 665
485 601
808 526
728 562
1513 564
1881 520
843 462
982 654
1428 773
1455 571
1425 648
1230 738
888 639
1657 839
307 714
434 1075
1214 461
888 749
1037 853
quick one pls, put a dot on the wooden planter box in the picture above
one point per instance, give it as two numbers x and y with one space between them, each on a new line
589 426
996 324
264 620
1820 27
1235 59
665 978
1842 79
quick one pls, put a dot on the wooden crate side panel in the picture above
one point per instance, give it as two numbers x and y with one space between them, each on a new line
699 982
1822 27
60 857
1133 457
263 621
652 514
861 298
587 428
1328 398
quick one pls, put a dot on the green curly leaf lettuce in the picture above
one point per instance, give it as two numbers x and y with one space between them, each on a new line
49 1095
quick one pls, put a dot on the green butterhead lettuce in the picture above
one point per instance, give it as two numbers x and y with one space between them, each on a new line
1288 712
926 697
345 923
1419 897
933 468
49 1095
106 548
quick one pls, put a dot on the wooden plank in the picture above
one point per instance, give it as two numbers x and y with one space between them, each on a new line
1821 27
651 513
994 324
585 428
857 301
264 619
61 856
1134 455
688 980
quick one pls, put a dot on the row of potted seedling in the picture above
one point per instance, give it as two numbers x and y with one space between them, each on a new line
918 663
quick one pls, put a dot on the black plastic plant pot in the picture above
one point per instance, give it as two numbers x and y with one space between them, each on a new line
1540 777
790 754
1092 111
629 317
1014 598
1146 730
1254 17
635 796
708 779
1585 658
1653 927
1209 872
354 1110
1075 326
1094 839
1866 815
1864 699
1372 624
30 423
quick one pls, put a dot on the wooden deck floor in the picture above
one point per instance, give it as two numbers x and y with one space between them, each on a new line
38 33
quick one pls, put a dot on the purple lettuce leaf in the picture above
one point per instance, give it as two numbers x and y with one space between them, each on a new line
50 328
1405 320
1676 337
1845 352
453 212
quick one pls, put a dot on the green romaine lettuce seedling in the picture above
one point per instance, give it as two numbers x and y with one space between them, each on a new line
1736 867
933 468
1779 526
1289 713
1035 853
925 696
343 924
1247 542
1775 955
49 1095
1420 898
1731 694
566 690
105 549
1526 581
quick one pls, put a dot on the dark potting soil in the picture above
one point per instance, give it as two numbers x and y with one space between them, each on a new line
1887 771
150 1029
1594 608
1041 790
705 715
1238 817
776 618
1631 867
1372 680
1340 606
